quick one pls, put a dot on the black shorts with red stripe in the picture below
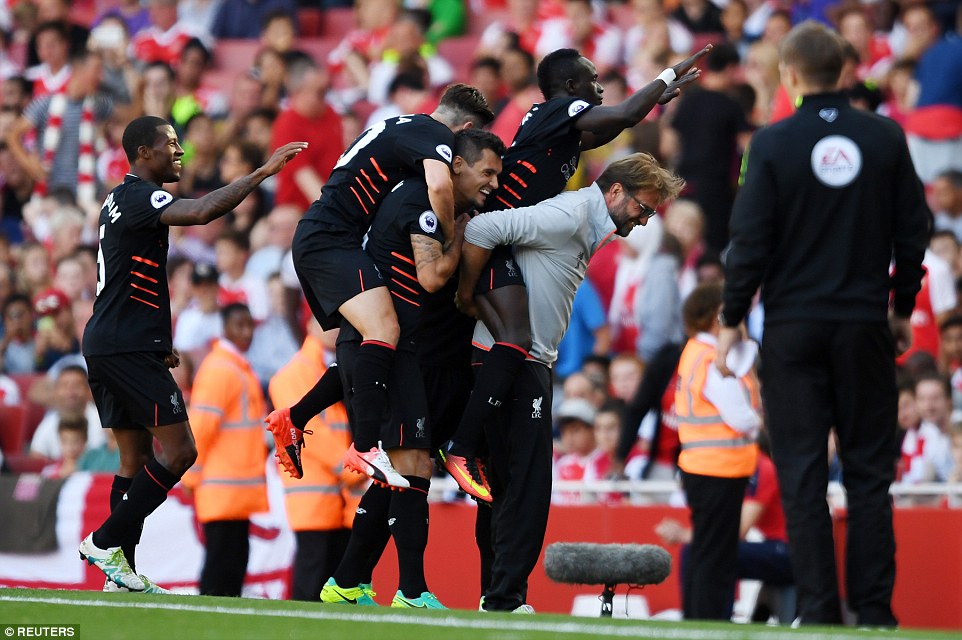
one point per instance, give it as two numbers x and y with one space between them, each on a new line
332 268
407 425
135 390
501 271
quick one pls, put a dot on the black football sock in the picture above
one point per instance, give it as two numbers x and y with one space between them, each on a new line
370 403
369 533
495 379
147 491
326 392
117 491
409 526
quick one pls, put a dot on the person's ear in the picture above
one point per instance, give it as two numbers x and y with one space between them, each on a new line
457 165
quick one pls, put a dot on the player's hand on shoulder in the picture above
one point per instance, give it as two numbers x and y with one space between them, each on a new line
282 156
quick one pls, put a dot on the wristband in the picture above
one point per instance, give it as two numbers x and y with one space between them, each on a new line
668 76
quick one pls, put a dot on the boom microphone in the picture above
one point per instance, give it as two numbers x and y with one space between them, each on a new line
606 564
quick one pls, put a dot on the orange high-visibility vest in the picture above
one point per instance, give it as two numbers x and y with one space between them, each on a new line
709 447
327 496
227 411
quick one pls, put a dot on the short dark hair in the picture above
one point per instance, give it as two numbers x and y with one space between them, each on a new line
276 14
701 307
465 102
471 143
13 299
197 43
954 176
815 52
234 307
142 131
486 62
935 376
160 64
954 320
555 69
72 368
236 237
250 153
55 26
407 80
722 56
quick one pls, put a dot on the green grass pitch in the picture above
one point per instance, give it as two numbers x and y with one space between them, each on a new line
101 616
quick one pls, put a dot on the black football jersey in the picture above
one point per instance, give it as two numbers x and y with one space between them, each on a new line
405 212
132 309
543 156
380 158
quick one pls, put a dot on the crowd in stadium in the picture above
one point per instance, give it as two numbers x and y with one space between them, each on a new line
237 79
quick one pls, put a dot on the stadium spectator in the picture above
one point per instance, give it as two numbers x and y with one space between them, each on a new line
227 408
199 13
65 125
777 26
699 16
901 94
309 116
246 18
156 95
17 347
201 173
650 21
120 74
247 94
518 76
135 15
276 337
279 32
925 454
233 250
51 73
193 96
71 401
575 425
407 93
598 41
947 201
485 75
239 158
934 303
200 323
56 334
102 459
624 376
657 304
587 332
72 435
874 54
521 30
58 11
733 19
166 36
362 46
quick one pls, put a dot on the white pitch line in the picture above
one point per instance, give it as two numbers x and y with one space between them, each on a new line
414 619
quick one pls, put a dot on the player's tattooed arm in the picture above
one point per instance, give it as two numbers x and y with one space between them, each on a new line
435 264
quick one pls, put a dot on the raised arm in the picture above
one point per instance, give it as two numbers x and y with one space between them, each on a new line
602 124
185 213
441 194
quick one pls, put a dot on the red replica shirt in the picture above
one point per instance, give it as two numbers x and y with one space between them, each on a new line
323 135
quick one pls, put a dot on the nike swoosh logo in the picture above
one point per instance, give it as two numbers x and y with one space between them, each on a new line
348 600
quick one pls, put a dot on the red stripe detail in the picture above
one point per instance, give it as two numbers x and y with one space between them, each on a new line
491 280
398 295
405 258
401 284
155 424
376 166
146 261
407 275
520 181
363 206
361 277
511 191
513 346
364 189
527 165
480 346
137 286
369 181
140 275
159 483
149 304
414 489
505 202
379 343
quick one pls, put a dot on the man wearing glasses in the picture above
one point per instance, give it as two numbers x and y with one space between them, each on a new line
553 242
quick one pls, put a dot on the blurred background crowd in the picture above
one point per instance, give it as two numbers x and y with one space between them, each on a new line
238 78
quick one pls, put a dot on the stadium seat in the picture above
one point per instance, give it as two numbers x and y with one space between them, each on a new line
338 22
459 52
310 22
23 463
318 48
235 54
12 419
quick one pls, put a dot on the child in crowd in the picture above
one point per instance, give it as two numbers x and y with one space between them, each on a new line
576 417
73 442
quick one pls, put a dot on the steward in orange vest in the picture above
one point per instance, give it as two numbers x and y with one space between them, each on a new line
321 505
228 479
717 424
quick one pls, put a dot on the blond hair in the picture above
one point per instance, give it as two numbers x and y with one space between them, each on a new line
641 172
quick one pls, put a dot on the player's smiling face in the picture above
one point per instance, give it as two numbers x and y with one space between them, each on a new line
473 183
628 210
585 84
167 153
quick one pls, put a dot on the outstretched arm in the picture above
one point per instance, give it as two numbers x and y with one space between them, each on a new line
185 213
601 125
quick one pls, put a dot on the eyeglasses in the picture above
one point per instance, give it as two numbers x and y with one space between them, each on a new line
646 211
